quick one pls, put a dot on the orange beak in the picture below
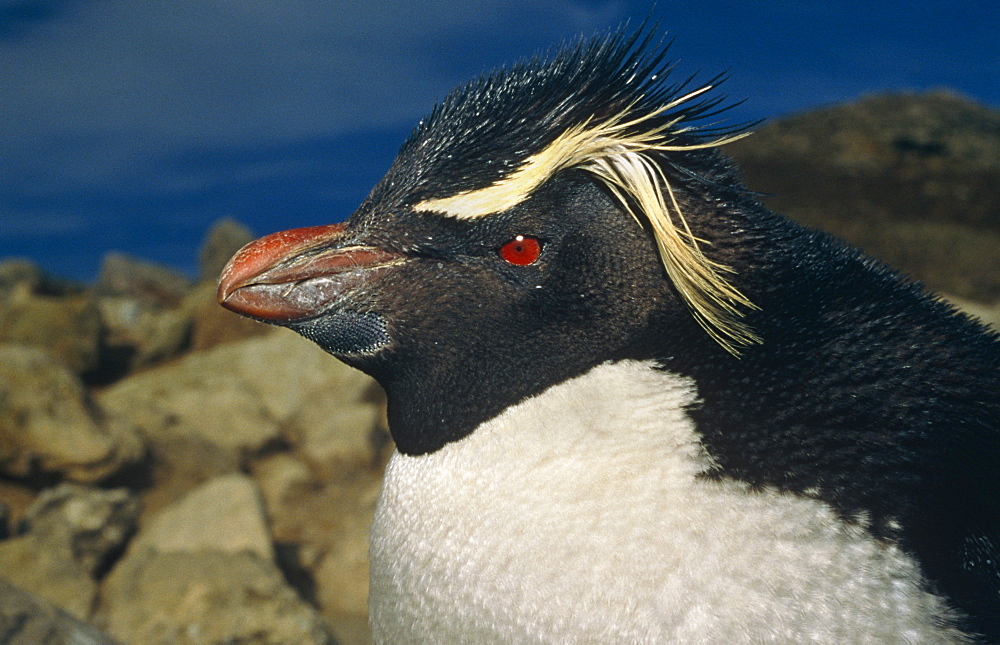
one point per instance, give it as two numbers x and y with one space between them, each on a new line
297 274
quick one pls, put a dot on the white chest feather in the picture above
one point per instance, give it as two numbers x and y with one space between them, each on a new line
578 516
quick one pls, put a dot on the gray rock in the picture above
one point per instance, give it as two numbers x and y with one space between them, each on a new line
26 619
206 597
225 514
91 524
226 237
68 534
48 424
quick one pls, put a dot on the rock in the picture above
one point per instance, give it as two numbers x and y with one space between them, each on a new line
20 277
147 311
328 523
911 179
67 538
342 575
123 275
225 238
214 325
282 479
226 514
144 333
198 399
91 524
69 328
203 571
240 397
206 597
342 432
48 423
50 571
26 619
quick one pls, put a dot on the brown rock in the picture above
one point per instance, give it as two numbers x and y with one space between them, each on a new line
203 571
328 525
241 396
199 399
224 514
213 325
911 179
48 424
206 597
988 314
144 333
69 328
26 619
20 276
48 570
90 524
123 275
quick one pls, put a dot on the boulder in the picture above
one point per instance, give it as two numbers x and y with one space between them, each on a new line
909 178
48 569
67 538
988 314
68 327
49 424
327 523
124 275
91 524
141 333
244 397
224 514
203 571
206 597
20 277
212 325
26 619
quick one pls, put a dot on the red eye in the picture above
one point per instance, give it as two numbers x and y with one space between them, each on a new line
521 251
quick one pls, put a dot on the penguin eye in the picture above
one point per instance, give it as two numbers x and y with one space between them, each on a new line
521 251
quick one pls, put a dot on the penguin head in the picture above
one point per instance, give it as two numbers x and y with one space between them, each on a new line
543 219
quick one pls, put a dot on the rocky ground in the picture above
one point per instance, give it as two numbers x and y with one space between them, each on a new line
172 473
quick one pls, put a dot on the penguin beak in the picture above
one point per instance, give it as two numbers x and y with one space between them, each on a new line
295 275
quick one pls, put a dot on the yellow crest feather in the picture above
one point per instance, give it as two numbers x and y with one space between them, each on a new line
615 152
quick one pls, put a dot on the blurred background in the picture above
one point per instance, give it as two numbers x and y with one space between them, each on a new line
134 125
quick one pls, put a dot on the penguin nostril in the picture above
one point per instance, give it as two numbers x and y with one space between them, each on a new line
521 251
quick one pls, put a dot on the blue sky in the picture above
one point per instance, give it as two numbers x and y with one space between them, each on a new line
133 126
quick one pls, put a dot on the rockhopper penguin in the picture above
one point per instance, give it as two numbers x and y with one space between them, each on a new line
631 404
